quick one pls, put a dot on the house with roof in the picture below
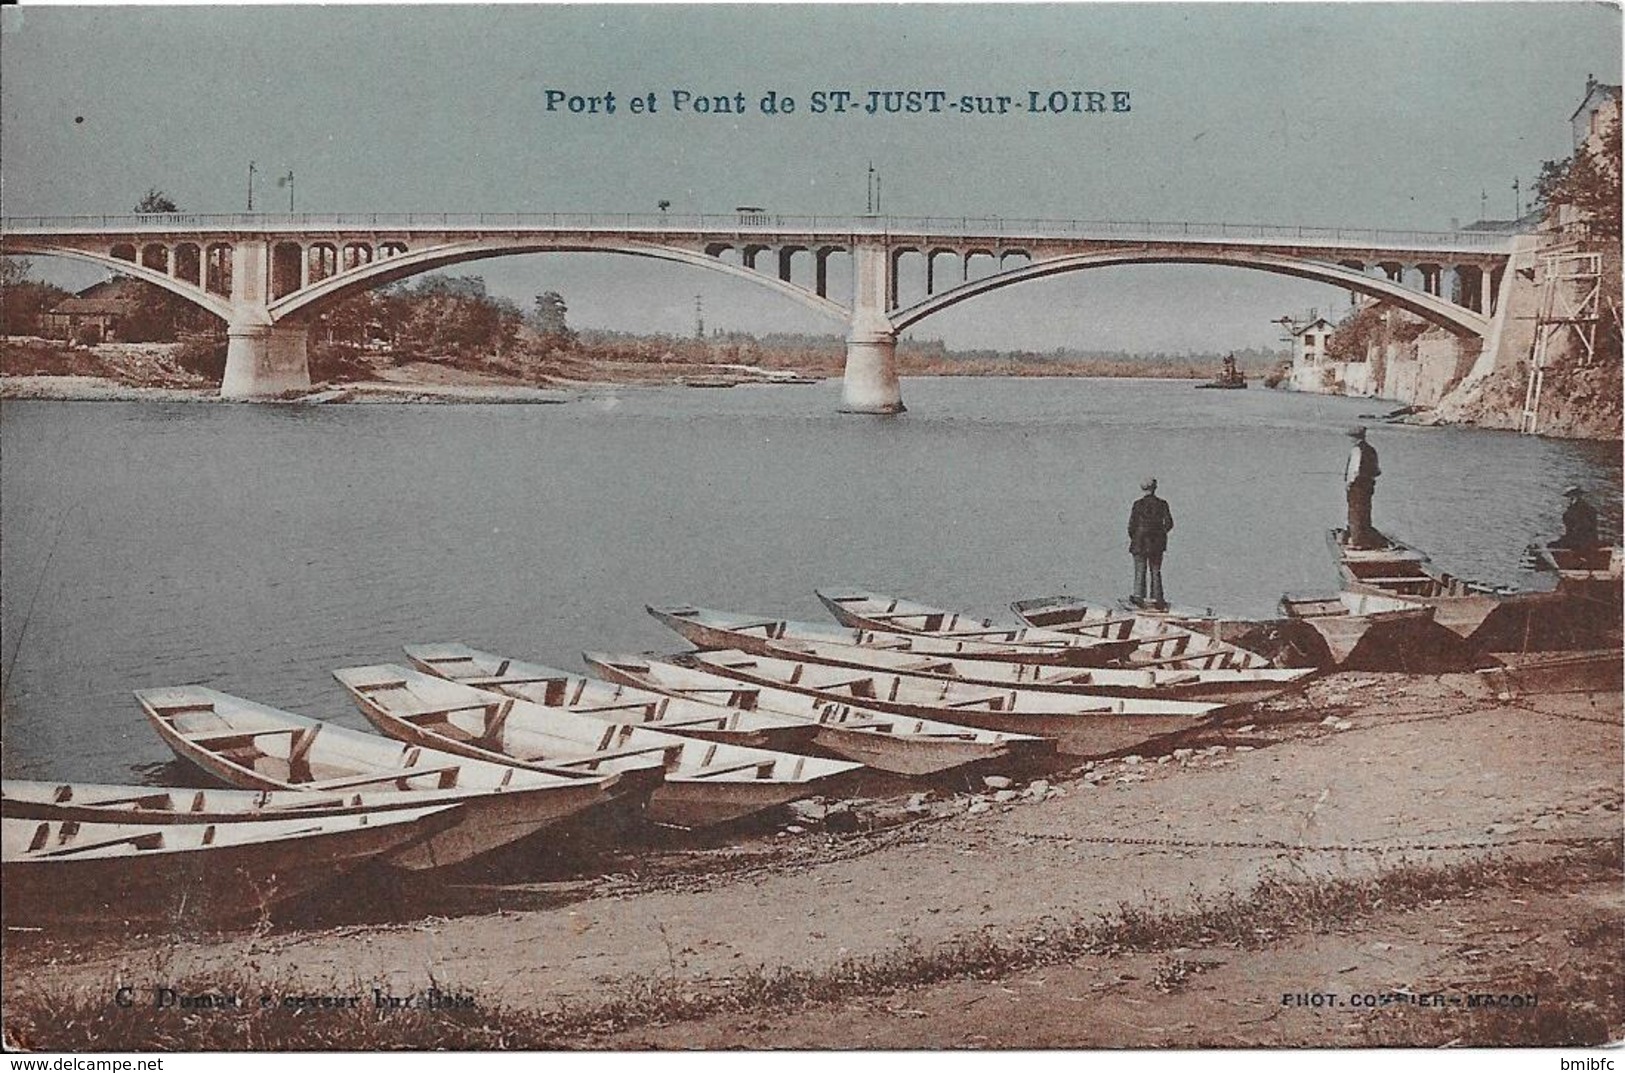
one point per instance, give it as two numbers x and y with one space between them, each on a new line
101 313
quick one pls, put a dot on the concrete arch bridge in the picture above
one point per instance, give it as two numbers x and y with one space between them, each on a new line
267 276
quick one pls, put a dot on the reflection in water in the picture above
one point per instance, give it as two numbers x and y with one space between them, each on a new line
256 548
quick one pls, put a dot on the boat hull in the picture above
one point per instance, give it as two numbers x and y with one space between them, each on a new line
207 887
488 818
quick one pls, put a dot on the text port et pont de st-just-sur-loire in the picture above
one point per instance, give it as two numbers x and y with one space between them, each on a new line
873 102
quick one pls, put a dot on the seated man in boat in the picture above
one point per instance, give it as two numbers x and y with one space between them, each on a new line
1149 523
1579 521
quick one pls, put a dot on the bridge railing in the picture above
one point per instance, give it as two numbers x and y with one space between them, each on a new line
943 227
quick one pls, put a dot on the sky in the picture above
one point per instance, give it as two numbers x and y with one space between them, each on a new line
1361 115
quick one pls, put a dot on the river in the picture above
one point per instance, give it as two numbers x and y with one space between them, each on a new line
256 548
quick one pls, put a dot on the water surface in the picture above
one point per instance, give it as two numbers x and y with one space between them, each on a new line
256 548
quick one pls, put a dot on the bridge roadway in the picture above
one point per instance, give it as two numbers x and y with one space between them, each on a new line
268 275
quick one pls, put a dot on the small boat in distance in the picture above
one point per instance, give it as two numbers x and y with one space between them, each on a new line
255 746
1229 378
109 874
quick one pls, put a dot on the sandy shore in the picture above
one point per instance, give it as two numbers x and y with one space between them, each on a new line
1362 775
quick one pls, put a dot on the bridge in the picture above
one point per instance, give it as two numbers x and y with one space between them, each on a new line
269 275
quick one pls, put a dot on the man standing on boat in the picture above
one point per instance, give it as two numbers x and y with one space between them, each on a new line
1360 478
1149 523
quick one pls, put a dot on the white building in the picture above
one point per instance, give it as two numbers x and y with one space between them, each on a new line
1308 338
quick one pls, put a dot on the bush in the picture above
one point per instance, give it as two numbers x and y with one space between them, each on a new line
339 364
203 355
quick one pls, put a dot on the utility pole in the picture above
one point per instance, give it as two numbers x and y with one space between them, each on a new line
869 192
699 318
250 186
1517 197
1483 203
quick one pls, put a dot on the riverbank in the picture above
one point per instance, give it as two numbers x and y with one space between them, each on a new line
1378 835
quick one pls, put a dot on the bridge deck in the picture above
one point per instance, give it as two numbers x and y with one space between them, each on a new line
774 228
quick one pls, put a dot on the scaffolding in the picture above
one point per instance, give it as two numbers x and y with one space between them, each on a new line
1570 296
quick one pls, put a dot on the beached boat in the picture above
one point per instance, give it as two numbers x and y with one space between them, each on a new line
719 629
255 746
1599 671
108 803
1081 724
885 741
612 702
1225 686
1488 617
202 873
1364 631
1159 641
862 610
704 783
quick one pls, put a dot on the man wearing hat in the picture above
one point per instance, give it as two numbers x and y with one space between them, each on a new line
1579 521
1360 478
1149 523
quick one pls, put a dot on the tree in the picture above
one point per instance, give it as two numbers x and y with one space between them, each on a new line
548 316
23 301
1588 181
156 200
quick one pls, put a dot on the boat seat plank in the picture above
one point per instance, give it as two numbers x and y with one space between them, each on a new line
216 737
381 777
763 768
184 707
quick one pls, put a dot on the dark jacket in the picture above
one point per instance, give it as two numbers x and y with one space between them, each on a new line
1579 526
1149 523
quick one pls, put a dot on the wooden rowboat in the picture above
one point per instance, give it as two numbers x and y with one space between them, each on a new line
1600 671
1082 724
254 746
106 803
705 628
705 782
1225 686
1158 639
1364 631
612 702
882 740
1485 616
871 611
202 873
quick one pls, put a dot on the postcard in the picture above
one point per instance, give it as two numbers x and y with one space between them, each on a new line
817 527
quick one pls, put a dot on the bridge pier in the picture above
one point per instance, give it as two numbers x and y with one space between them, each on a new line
262 360
869 385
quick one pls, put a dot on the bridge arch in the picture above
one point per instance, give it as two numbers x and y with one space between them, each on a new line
1432 308
303 303
214 303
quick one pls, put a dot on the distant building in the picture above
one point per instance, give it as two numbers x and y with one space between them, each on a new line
97 314
1308 338
1597 111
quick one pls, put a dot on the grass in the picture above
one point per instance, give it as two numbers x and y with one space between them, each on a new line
1278 906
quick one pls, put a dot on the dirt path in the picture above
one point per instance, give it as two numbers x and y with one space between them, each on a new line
1423 773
